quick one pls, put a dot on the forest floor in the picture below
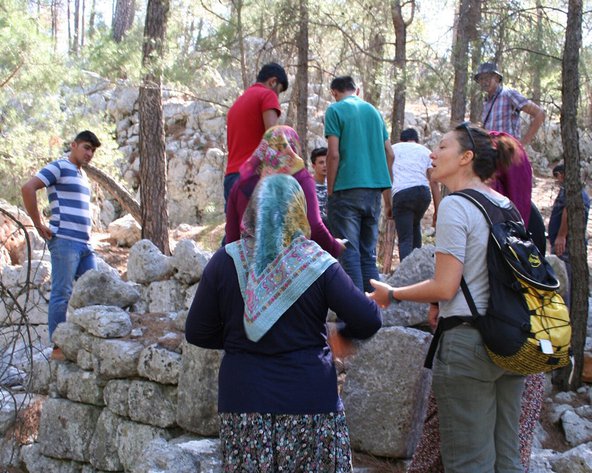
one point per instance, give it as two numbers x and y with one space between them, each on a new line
209 236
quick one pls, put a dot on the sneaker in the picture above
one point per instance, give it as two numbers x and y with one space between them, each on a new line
57 354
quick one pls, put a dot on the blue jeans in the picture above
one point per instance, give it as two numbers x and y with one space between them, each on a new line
353 214
409 206
69 260
478 406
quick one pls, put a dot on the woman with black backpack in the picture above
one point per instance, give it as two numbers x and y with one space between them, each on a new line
478 402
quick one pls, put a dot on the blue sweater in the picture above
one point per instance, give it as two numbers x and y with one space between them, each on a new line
290 370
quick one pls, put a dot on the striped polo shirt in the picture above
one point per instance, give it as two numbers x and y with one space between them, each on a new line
68 192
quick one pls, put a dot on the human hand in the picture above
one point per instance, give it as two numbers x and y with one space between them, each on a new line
341 347
559 246
380 294
44 231
342 243
433 312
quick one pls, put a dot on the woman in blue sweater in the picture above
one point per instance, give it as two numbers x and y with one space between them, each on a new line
264 300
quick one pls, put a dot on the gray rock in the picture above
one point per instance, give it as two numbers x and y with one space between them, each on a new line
68 337
189 261
116 395
85 387
35 306
66 429
147 264
418 266
63 373
117 358
190 295
565 397
560 270
36 462
198 390
125 230
103 446
103 289
103 321
540 461
577 429
208 452
165 296
153 404
85 360
159 364
557 411
40 273
576 460
160 456
385 392
39 374
133 438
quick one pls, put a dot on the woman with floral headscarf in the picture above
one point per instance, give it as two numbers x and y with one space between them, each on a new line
264 300
278 153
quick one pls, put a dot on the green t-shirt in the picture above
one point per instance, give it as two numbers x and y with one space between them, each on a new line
362 133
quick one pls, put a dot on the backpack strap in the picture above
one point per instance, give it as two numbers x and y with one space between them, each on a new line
492 212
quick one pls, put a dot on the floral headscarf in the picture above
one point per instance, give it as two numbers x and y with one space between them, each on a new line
276 154
274 260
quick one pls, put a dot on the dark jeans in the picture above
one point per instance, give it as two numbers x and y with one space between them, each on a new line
229 181
353 214
409 206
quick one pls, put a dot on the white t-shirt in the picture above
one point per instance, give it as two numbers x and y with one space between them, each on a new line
412 160
463 232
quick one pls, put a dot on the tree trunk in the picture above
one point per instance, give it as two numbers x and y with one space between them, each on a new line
372 69
54 24
465 31
536 59
476 102
123 19
400 25
76 36
120 193
238 10
302 78
91 18
68 14
153 165
573 187
82 29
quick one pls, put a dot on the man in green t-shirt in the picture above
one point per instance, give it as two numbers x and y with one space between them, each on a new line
359 162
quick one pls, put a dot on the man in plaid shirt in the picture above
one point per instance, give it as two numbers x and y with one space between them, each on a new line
502 106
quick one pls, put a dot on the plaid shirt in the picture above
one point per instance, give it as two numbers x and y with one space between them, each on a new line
501 112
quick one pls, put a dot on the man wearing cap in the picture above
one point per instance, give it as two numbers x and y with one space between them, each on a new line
502 105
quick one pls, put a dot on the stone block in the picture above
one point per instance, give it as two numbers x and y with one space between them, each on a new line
385 392
159 364
152 403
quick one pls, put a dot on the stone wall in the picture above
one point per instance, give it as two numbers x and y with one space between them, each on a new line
132 394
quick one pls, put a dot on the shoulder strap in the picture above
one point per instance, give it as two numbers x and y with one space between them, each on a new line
492 212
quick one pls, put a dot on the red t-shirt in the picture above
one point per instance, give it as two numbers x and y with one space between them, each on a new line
244 123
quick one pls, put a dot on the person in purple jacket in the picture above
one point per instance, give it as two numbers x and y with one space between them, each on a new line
263 299
278 153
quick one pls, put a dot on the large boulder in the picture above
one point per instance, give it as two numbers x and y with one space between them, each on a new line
416 267
97 288
159 364
103 321
146 263
125 231
189 261
386 390
197 404
66 429
103 446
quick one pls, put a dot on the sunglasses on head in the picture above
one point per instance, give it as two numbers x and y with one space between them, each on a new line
467 126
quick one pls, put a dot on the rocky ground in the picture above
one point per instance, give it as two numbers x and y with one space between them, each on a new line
551 435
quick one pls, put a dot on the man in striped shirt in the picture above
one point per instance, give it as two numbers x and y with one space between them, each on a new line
502 105
68 232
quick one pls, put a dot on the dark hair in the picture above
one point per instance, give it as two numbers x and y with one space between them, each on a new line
491 153
273 69
88 137
343 83
560 168
316 153
409 134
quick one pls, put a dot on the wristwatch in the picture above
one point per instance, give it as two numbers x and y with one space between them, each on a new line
392 297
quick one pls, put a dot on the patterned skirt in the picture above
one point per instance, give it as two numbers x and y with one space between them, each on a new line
269 443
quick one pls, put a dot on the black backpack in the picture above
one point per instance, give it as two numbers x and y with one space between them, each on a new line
526 328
